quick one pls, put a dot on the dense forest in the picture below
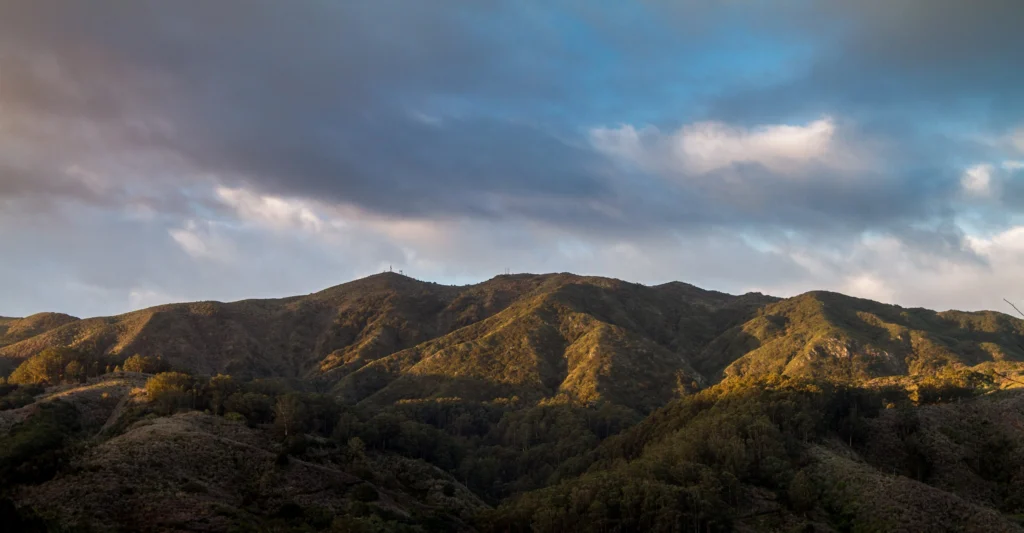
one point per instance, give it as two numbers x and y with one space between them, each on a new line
547 403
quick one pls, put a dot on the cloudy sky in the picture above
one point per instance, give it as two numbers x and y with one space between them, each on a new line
157 151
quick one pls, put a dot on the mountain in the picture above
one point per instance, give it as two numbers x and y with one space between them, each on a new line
784 454
234 476
529 335
826 335
389 337
13 330
523 403
583 339
364 319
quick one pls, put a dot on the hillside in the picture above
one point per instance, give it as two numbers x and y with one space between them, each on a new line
584 340
786 455
128 472
831 336
389 337
524 403
536 336
13 330
361 320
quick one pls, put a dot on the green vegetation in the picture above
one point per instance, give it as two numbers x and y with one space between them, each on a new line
13 396
145 364
525 403
832 337
57 365
170 391
34 450
756 453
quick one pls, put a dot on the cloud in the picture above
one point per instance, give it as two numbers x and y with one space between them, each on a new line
868 286
710 146
944 61
141 298
257 148
320 111
819 177
276 212
1017 138
1013 165
704 147
977 180
202 242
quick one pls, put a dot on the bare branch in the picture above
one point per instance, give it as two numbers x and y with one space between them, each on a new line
1013 306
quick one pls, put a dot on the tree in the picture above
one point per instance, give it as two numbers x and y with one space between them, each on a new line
147 364
356 446
170 391
290 414
46 367
218 390
256 408
74 372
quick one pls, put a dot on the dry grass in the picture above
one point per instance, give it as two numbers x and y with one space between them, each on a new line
95 400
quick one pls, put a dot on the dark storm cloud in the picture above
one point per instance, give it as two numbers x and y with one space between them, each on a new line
912 60
300 98
458 137
479 109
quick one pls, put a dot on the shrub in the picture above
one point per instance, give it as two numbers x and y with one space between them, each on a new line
364 492
256 408
296 445
194 487
15 396
33 450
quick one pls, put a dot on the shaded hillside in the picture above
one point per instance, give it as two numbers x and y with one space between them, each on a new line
789 455
5 322
831 336
83 456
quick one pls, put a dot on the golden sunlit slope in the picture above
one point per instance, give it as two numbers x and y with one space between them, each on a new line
344 325
587 338
579 338
391 337
831 336
13 330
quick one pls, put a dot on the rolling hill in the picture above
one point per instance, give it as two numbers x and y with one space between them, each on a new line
389 337
13 330
531 335
524 403
823 335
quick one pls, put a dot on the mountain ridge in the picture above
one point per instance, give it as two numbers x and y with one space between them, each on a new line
389 337
524 403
